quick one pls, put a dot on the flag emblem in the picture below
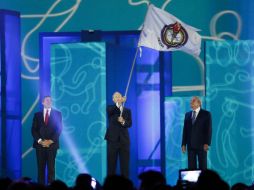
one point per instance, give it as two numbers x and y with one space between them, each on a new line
164 32
174 35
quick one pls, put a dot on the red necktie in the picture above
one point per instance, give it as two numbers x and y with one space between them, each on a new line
47 117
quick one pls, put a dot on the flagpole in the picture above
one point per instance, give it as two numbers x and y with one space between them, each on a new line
132 67
130 76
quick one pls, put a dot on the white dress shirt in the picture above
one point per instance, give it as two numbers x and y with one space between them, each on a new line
197 111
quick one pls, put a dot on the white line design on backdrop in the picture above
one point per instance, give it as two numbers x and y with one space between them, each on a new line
44 17
27 60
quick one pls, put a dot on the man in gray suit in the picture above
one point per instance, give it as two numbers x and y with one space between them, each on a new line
197 134
117 136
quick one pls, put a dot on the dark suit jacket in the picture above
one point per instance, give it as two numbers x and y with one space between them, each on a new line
115 131
197 134
51 131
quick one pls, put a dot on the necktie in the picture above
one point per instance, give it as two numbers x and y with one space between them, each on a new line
47 117
193 117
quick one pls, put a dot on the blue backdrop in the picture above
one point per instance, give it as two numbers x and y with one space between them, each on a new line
217 19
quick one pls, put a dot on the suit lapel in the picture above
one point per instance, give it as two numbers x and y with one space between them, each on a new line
190 115
51 115
41 116
199 115
117 109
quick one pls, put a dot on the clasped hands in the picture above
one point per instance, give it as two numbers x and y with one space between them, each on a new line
46 143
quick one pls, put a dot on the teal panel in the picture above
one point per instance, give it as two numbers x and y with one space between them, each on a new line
78 89
230 99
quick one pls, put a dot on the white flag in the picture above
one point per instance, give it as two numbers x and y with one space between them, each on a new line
164 32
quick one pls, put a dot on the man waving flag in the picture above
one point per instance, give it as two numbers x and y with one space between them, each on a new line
164 32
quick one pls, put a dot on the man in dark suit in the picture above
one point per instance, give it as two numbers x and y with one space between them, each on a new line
46 129
117 136
197 134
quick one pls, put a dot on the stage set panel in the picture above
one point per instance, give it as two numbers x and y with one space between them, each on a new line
229 97
145 97
29 167
10 98
78 90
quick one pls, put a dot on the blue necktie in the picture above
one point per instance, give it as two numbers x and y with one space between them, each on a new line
193 117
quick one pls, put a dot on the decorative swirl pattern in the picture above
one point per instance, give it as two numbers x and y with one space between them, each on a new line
78 78
56 15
